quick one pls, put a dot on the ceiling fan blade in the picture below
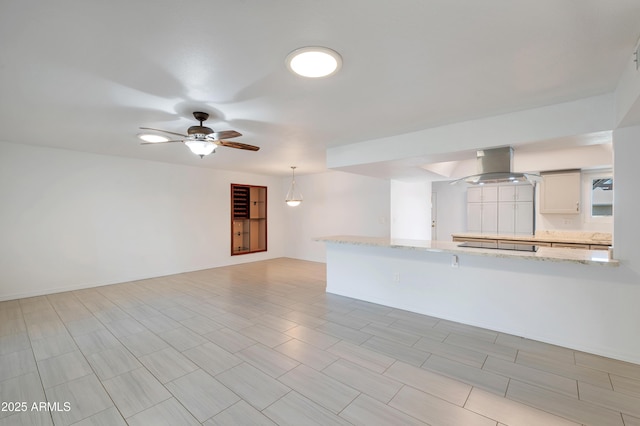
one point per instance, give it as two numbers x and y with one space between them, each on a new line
237 145
164 131
225 134
157 143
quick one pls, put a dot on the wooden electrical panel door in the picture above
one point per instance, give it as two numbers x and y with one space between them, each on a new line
248 219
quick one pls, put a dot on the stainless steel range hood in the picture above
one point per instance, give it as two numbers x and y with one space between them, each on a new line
494 166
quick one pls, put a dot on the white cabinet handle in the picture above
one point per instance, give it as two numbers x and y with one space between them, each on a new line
578 206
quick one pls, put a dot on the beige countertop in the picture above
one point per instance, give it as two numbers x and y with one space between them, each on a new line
577 237
548 254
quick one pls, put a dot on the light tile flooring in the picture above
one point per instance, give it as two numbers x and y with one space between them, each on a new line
262 343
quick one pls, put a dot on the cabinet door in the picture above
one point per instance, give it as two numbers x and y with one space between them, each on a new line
524 193
515 192
523 218
560 193
474 194
489 194
507 193
490 218
474 217
506 218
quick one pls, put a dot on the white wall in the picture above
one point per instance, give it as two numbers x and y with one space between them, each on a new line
335 203
626 203
627 95
411 210
584 116
72 220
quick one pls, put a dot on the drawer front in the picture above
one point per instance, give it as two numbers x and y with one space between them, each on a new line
474 240
527 243
571 245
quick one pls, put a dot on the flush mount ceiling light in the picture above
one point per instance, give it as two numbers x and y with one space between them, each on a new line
148 137
294 197
314 61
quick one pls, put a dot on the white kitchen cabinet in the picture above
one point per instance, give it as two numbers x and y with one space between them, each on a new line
500 209
474 194
490 218
489 194
507 213
482 194
474 217
514 192
482 218
515 209
560 192
525 193
524 218
482 209
515 218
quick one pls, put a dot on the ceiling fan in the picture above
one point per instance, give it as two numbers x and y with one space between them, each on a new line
203 140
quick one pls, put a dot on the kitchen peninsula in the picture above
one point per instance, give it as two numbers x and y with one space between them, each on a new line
502 290
543 252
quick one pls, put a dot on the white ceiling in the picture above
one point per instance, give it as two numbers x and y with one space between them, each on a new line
85 75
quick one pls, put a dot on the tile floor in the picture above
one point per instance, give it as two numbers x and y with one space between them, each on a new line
262 343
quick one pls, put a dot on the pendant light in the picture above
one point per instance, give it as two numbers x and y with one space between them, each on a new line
294 197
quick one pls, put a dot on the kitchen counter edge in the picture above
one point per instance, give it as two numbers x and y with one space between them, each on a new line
547 254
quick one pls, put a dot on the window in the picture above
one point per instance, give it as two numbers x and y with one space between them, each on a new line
602 196
597 195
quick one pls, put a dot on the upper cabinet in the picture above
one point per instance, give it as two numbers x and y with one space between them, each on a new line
515 193
482 209
482 194
560 192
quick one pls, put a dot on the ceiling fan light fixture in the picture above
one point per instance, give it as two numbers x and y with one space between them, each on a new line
314 61
149 137
200 147
200 139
